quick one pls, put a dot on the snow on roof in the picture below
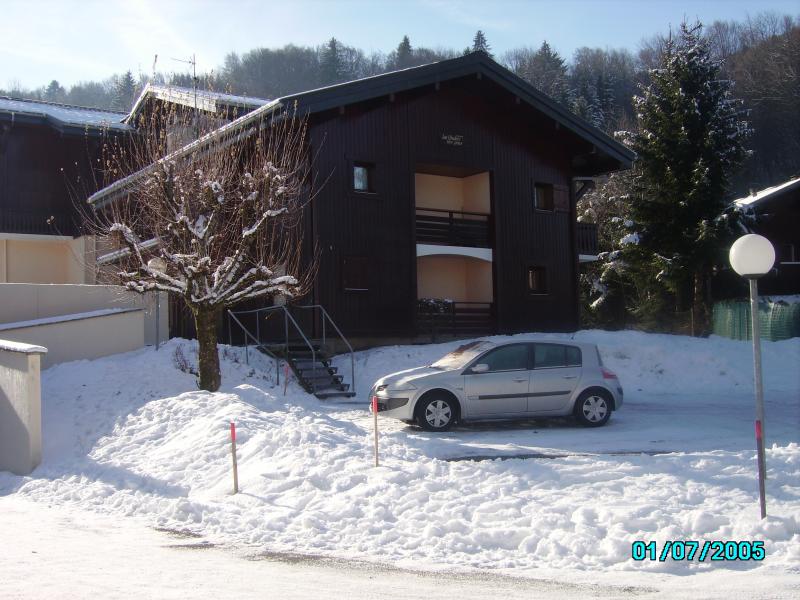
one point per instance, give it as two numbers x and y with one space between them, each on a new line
206 100
103 312
64 115
767 192
119 186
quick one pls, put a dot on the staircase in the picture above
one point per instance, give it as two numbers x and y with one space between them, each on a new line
309 359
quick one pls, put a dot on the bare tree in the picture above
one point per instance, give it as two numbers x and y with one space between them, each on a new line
214 223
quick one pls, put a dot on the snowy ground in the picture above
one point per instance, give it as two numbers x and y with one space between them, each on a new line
129 435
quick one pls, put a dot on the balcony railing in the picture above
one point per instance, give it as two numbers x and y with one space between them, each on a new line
42 223
442 317
586 234
453 228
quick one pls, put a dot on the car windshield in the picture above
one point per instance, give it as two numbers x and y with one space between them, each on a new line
459 357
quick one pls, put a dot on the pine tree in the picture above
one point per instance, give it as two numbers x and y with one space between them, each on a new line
689 142
547 72
331 70
54 92
124 92
479 43
404 54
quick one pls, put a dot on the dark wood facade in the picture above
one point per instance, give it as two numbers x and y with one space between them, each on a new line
778 219
409 132
43 173
457 118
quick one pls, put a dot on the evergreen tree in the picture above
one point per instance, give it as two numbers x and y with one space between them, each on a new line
331 63
547 72
479 43
689 142
404 54
124 92
54 92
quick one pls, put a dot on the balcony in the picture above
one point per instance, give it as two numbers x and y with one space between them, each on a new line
586 238
448 318
453 228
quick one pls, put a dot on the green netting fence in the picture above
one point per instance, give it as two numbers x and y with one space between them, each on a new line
779 320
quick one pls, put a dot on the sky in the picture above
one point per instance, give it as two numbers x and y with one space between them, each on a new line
79 40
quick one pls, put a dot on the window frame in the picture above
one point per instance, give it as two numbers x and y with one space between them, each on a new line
551 188
793 258
365 274
545 277
371 169
565 348
526 346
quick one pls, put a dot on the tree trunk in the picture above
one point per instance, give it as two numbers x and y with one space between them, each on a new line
700 308
206 324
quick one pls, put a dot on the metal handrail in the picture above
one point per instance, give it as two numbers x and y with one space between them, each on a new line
287 317
277 360
327 317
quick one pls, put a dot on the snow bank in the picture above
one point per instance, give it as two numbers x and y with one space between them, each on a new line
130 435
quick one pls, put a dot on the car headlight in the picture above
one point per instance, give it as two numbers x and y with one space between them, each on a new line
402 387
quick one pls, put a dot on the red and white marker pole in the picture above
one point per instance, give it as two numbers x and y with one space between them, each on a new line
375 425
233 454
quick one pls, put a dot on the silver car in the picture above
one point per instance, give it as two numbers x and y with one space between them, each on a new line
482 380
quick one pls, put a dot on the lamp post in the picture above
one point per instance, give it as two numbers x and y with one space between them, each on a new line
752 256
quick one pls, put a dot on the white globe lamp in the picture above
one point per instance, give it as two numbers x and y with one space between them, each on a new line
752 256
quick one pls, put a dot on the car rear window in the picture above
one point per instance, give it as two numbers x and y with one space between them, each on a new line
555 355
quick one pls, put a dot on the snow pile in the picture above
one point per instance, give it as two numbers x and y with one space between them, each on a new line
129 435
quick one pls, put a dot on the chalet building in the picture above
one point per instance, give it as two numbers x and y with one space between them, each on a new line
777 213
449 199
46 156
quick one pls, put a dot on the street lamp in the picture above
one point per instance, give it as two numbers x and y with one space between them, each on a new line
752 256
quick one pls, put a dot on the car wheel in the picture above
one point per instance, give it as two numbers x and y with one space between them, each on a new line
436 413
593 408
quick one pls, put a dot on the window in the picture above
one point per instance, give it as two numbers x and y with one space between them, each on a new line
355 274
548 356
507 358
787 254
537 280
543 196
364 177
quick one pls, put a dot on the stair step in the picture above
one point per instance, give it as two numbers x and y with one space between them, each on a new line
339 387
324 395
299 354
325 378
320 369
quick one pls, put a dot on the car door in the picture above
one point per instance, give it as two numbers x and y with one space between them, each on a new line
556 372
502 390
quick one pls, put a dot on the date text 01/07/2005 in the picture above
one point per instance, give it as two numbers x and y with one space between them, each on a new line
700 551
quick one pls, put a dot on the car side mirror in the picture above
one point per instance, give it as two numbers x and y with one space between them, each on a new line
480 368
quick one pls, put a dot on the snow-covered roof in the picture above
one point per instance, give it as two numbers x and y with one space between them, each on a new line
206 100
61 116
758 197
232 129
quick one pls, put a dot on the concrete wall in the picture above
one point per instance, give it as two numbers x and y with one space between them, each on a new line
46 259
20 407
85 335
25 302
454 278
470 194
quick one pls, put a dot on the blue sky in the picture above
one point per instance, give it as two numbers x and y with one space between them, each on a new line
72 40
